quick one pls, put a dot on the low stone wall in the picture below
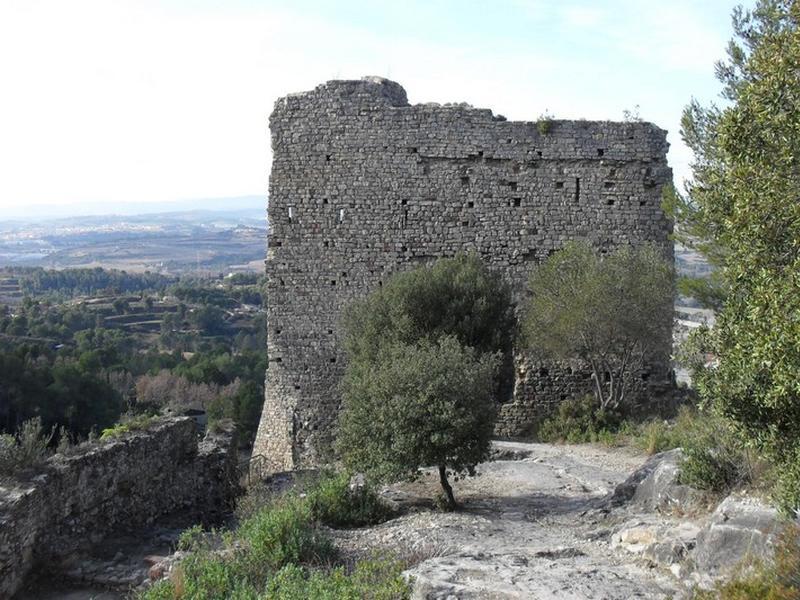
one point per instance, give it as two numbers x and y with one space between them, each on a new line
541 386
75 501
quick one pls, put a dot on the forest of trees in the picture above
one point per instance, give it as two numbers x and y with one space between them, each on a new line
83 363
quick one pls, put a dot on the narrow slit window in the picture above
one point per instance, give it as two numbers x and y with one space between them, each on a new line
291 214
577 189
341 215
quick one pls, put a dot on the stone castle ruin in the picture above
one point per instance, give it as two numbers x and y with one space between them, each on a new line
364 185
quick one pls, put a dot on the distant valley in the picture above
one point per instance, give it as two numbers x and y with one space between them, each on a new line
223 236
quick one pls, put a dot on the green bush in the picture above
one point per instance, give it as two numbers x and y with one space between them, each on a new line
786 490
655 436
714 457
191 539
333 503
284 534
376 580
544 124
27 450
578 420
204 575
127 424
279 553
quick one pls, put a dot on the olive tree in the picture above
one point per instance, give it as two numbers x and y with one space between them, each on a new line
427 404
423 354
611 311
743 202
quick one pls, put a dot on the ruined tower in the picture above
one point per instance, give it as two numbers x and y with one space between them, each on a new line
364 185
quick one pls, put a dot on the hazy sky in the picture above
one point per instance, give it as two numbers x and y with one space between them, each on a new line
115 101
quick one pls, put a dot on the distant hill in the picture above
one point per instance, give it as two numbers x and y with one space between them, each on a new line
204 236
43 212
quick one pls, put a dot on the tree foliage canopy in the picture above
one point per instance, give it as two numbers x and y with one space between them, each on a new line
610 311
418 405
744 202
422 354
458 296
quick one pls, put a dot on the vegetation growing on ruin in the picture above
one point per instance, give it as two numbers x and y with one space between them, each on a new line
27 449
279 552
544 124
128 424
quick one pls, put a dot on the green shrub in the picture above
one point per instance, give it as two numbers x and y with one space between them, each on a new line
127 424
654 437
27 450
376 580
160 590
714 457
277 552
333 503
578 420
659 435
191 538
284 534
544 124
786 490
204 575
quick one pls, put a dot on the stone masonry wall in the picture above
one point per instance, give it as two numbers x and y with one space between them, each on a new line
77 500
364 185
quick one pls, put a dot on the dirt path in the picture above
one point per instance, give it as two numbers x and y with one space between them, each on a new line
534 528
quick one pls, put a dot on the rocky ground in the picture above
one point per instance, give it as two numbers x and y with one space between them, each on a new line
540 521
569 522
534 524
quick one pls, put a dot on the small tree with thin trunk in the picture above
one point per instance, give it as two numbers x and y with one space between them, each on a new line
423 352
427 404
611 311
